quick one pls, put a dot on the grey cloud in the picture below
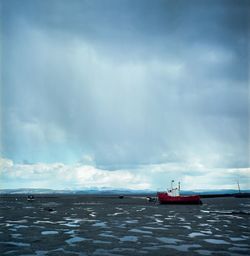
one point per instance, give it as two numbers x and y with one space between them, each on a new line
131 83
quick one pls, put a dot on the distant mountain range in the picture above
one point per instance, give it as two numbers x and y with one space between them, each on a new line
108 191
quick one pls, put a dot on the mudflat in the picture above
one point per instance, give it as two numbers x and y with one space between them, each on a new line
109 225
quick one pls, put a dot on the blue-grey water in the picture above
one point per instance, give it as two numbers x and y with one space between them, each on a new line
88 225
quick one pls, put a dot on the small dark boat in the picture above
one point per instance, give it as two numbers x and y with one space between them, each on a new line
151 199
241 194
173 196
30 198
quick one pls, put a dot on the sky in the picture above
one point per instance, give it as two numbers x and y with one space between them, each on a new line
125 94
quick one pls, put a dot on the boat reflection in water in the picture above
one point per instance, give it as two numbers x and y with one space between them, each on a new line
172 196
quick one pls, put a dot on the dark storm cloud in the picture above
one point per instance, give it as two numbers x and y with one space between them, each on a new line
158 22
126 82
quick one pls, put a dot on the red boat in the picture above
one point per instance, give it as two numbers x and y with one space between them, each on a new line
173 196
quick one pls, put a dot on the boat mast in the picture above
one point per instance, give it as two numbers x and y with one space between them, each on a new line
172 184
179 186
238 186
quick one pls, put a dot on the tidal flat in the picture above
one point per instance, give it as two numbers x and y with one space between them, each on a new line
109 225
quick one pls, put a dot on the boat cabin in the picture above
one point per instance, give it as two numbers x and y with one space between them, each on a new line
174 191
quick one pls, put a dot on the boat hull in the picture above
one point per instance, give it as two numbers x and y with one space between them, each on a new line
164 198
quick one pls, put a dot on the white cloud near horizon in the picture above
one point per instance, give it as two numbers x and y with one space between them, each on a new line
81 176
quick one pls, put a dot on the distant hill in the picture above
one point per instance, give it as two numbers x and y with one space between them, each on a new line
108 191
79 192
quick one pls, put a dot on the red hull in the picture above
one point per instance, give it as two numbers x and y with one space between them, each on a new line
164 198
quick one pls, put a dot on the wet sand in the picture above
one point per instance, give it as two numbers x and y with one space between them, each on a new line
92 225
